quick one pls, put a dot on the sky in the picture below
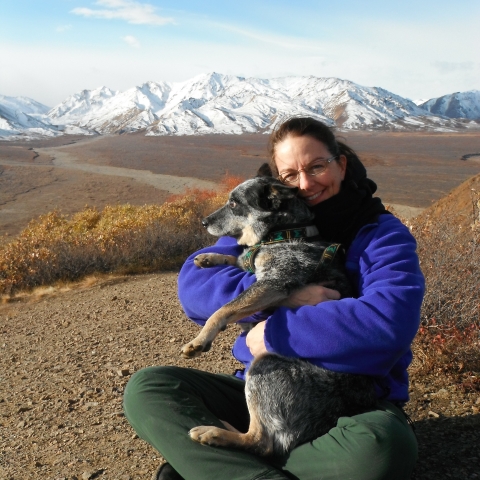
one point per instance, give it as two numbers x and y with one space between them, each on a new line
51 49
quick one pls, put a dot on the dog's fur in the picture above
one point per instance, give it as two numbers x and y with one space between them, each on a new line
290 401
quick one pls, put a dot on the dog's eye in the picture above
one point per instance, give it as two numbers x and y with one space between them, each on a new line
232 204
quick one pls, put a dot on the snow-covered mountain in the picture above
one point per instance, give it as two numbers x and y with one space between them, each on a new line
216 103
24 116
84 103
456 105
106 111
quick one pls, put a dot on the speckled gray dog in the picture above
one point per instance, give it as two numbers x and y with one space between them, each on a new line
290 401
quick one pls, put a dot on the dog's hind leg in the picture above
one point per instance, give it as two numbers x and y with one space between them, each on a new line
260 296
256 440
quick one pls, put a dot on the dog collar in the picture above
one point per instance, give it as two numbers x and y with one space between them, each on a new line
292 234
278 237
328 255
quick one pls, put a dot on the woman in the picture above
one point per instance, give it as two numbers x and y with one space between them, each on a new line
370 334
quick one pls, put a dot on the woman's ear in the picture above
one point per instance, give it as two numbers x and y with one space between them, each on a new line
342 161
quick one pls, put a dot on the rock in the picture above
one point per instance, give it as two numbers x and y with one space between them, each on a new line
90 474
123 372
442 393
24 408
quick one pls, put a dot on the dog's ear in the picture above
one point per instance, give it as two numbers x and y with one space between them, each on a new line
277 194
264 171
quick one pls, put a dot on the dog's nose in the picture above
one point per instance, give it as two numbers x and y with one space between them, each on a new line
205 222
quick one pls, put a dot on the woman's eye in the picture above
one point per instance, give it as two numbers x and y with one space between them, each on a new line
232 204
317 168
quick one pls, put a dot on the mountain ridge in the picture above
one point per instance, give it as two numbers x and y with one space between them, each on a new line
217 103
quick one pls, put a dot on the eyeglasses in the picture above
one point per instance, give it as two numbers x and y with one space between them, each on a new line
292 177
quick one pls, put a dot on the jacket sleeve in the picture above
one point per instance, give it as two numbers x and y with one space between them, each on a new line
202 291
368 334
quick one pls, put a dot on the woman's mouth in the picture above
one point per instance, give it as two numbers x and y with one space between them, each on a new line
313 197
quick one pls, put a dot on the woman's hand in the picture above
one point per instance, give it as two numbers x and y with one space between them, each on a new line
311 295
308 295
255 339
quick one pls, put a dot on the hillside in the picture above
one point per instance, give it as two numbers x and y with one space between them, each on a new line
67 356
458 205
67 353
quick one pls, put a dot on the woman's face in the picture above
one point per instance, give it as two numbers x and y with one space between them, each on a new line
296 153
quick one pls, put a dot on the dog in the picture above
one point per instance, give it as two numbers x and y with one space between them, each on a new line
290 401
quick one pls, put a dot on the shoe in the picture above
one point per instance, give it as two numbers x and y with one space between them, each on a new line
166 472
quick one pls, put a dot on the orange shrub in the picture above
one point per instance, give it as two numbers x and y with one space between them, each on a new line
450 259
121 238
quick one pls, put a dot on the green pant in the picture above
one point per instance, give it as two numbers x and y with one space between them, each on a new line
164 403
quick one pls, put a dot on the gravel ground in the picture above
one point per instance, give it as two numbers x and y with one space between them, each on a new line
67 355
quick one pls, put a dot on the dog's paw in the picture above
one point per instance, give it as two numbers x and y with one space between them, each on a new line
194 349
205 260
208 435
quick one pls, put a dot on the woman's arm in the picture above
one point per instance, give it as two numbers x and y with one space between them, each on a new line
202 291
368 334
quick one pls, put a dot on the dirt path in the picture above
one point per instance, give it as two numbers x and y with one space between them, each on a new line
170 183
39 180
66 358
406 211
65 361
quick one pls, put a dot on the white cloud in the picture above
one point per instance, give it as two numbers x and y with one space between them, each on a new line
132 41
130 11
277 40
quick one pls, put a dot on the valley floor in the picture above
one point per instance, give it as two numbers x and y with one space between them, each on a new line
66 173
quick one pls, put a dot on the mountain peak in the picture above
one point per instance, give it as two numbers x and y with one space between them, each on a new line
455 105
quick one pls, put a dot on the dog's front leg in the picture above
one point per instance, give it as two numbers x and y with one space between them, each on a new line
207 260
259 296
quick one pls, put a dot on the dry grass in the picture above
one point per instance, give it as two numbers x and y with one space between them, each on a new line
449 252
448 341
122 239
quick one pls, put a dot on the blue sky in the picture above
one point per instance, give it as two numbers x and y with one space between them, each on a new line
50 49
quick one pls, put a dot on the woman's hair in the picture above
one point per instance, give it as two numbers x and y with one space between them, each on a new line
307 126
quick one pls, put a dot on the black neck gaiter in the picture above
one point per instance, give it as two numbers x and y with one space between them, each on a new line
339 218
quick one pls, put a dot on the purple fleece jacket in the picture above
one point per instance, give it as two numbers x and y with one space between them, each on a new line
369 335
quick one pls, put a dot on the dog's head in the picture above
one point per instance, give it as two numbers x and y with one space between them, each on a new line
256 207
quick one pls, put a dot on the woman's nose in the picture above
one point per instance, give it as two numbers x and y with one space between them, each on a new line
305 181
